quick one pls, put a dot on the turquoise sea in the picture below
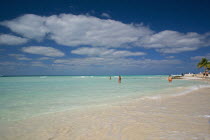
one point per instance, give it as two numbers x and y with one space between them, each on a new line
29 96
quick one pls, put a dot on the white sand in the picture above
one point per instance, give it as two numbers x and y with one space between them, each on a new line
173 118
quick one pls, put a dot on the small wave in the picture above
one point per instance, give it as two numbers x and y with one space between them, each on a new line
155 77
150 77
206 116
193 88
157 97
187 91
43 77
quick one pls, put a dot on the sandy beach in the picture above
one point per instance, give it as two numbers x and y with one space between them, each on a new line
184 117
105 70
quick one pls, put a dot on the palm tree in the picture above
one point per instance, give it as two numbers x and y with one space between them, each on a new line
204 63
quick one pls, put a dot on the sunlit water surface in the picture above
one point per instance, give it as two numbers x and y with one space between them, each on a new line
25 97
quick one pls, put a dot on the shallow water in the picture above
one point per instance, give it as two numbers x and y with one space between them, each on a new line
25 97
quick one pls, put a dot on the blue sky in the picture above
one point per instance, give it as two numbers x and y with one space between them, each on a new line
103 37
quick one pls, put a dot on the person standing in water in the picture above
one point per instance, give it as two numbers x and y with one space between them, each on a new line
110 78
169 79
119 79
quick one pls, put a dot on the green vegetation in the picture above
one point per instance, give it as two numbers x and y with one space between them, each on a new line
204 63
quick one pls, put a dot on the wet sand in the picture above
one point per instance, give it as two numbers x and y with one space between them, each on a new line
185 117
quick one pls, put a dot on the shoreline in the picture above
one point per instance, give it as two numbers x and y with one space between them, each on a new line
126 100
175 117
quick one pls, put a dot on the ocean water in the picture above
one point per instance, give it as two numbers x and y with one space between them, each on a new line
25 97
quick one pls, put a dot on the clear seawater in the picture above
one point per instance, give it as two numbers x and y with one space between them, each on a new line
25 97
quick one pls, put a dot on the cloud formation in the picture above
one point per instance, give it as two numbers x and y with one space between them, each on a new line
45 58
104 52
105 15
199 57
76 30
38 64
170 57
115 62
19 56
173 42
6 39
40 50
29 25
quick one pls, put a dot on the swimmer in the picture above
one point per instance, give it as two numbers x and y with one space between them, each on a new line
169 79
119 79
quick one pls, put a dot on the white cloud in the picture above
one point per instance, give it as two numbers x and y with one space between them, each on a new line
6 39
200 57
45 58
119 62
40 50
90 13
174 42
76 30
9 63
38 64
105 15
103 52
29 25
19 56
170 57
